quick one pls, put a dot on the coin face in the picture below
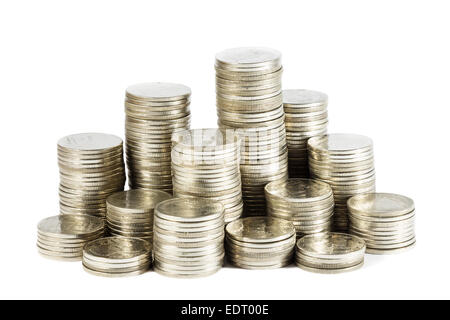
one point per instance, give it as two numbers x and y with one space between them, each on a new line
117 248
298 189
260 229
304 97
248 56
189 209
137 199
381 204
70 225
330 243
206 138
89 141
159 91
340 142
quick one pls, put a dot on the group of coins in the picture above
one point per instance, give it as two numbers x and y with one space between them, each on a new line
91 168
307 203
205 164
249 99
346 162
384 220
64 236
188 237
330 252
130 213
306 117
153 112
260 242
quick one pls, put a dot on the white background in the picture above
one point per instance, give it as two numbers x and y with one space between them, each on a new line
385 65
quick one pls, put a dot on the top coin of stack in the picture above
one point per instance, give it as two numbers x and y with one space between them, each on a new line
91 168
306 117
249 99
153 112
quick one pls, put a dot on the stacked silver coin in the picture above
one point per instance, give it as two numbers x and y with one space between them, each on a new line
117 257
205 163
306 117
307 203
91 167
386 221
153 112
260 242
188 237
330 252
249 99
64 236
130 213
346 162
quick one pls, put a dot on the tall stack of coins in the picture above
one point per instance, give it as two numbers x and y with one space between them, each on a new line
91 168
130 213
384 220
345 161
153 112
64 236
249 99
260 242
307 203
205 163
306 117
188 240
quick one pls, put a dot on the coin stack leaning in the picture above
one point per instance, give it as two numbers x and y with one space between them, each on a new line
117 257
153 112
346 162
307 203
205 163
249 99
384 220
188 237
330 252
306 117
260 242
130 213
91 168
64 236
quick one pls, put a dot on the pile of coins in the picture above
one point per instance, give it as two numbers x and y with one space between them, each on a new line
345 161
205 163
188 237
307 203
306 117
64 236
249 99
384 220
260 242
153 112
330 252
91 168
117 257
130 213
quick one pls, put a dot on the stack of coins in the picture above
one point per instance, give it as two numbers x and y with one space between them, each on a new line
205 163
384 220
260 242
346 162
64 236
153 112
130 213
306 117
117 257
330 252
307 203
91 168
188 240
249 99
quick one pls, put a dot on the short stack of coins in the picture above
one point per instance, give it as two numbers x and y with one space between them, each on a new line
130 213
117 257
91 167
306 117
205 163
330 252
153 112
307 203
386 221
64 236
188 237
346 162
260 242
249 99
